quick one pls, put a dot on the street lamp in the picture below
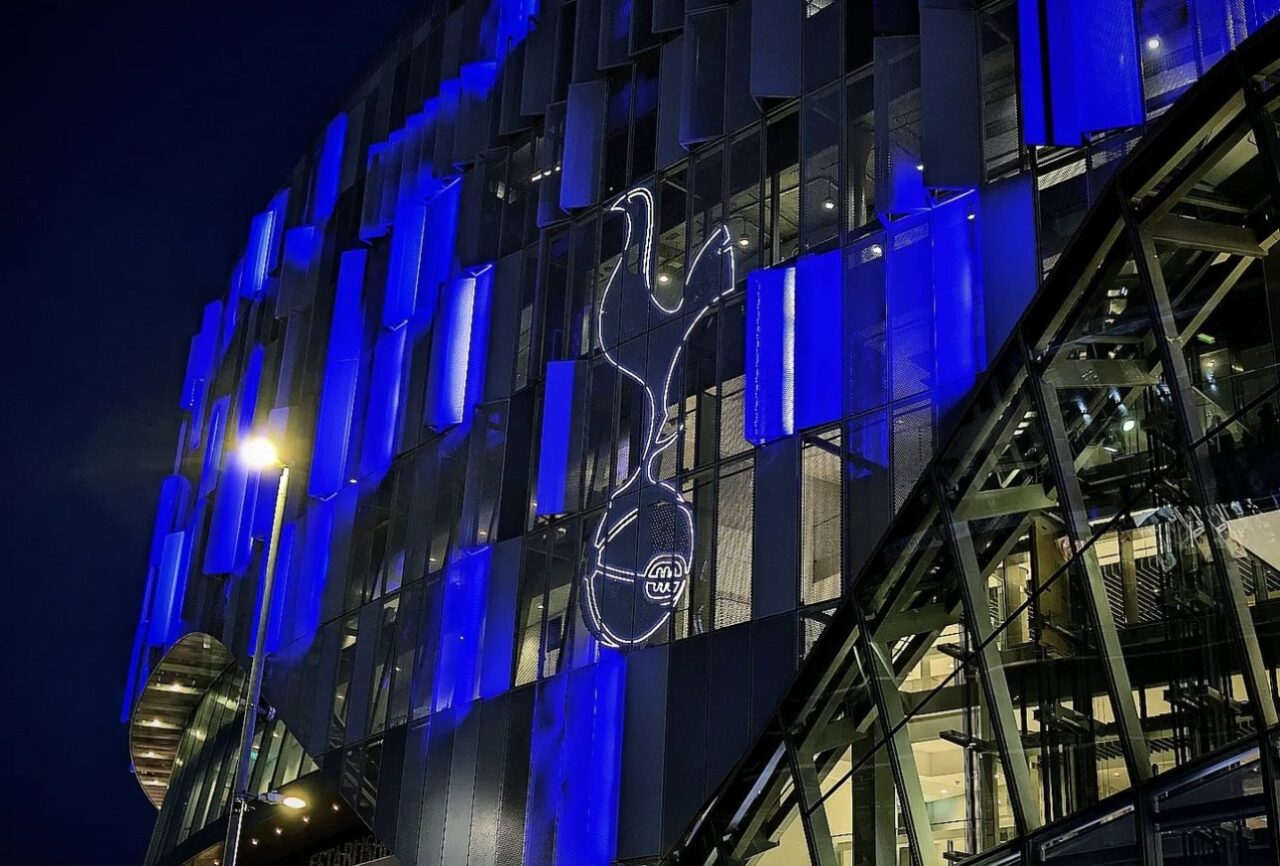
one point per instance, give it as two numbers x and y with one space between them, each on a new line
259 454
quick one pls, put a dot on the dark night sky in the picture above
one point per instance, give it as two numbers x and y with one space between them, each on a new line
136 140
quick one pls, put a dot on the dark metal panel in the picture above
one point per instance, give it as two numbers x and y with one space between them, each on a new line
586 43
509 850
1010 264
436 790
740 108
538 81
504 324
730 705
776 27
362 672
702 76
775 544
951 95
462 780
486 807
668 15
774 652
583 144
615 33
412 782
669 94
643 750
387 809
510 117
685 768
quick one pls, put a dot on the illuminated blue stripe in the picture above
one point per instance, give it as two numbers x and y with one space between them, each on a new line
770 391
458 350
555 448
457 674
328 176
341 376
819 343
383 410
168 590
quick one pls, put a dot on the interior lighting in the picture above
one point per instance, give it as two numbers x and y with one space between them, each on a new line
664 279
293 802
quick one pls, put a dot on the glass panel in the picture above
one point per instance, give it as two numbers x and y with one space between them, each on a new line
1217 818
821 517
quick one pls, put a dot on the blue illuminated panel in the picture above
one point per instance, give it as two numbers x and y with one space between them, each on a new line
1080 70
328 179
383 409
341 375
771 332
167 600
466 584
560 422
458 350
818 344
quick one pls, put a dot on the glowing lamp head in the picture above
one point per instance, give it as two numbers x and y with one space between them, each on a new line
259 452
293 802
1128 425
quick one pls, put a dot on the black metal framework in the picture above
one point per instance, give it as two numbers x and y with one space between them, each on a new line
1078 600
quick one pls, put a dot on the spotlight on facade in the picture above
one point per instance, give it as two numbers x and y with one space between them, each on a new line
1128 425
744 241
829 204
259 452
293 802
1153 43
663 279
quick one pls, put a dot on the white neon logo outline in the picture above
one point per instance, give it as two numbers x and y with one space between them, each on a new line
655 443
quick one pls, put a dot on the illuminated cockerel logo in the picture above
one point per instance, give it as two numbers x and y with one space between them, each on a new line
641 555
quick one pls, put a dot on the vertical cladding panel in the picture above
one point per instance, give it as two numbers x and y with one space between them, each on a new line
1010 266
458 350
685 768
818 341
586 41
458 662
740 107
431 826
771 339
228 545
951 97
407 239
486 810
413 783
515 474
909 297
357 699
668 15
448 105
462 783
702 83
775 31
301 247
899 169
341 375
1080 69
538 78
476 113
670 76
550 152
584 136
774 584
545 753
560 446
643 751
510 118
730 703
383 406
615 33
642 35
328 177
167 598
387 808
865 383
504 325
895 16
500 619
960 342
586 824
867 485
515 780
774 644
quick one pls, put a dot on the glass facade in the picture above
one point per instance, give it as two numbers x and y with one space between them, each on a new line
773 430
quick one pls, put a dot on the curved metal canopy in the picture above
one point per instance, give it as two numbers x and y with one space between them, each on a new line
174 689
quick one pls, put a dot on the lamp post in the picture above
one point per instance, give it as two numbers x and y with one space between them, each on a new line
260 454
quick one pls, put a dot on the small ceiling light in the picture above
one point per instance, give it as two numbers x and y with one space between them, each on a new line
1153 42
919 166
306 819
293 802
253 841
336 807
972 216
945 791
876 251
663 279
744 241
1128 425
353 480
259 452
829 205
279 831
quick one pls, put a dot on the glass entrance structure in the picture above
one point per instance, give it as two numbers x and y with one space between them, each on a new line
780 432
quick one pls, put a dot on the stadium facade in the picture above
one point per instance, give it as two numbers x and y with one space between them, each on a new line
784 432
